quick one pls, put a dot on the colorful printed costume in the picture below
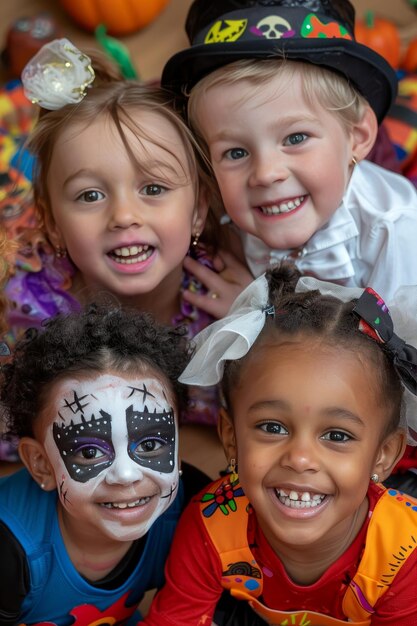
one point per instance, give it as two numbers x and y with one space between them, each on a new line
369 240
58 594
371 582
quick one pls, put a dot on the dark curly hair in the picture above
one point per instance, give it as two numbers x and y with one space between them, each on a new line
313 314
97 339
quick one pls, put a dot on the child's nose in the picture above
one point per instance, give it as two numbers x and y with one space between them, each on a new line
300 455
126 212
123 471
268 168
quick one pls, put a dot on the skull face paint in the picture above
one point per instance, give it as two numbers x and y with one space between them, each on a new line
112 442
86 447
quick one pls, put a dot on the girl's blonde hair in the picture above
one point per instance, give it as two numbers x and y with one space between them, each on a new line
330 90
115 98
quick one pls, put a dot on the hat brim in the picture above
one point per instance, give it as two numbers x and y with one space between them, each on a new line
374 78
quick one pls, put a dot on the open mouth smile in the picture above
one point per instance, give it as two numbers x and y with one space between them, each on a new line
127 255
283 207
127 505
299 499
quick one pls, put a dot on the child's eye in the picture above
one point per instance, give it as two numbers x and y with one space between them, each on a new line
91 454
151 445
274 428
295 139
337 436
153 190
236 153
91 196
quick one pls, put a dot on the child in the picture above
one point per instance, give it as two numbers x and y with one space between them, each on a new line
93 398
286 104
313 386
117 185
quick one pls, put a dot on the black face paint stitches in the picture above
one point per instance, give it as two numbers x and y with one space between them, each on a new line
87 448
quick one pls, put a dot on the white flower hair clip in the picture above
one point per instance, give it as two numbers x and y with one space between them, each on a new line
57 75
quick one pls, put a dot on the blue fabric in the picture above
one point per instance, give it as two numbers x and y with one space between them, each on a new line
58 594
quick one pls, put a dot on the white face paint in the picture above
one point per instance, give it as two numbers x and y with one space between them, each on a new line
113 445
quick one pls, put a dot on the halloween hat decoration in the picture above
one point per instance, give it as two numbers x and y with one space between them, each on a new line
316 31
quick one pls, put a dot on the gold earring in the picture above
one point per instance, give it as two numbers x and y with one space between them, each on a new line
233 471
60 252
195 240
375 478
354 161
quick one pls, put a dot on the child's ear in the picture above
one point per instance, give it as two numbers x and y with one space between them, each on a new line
364 134
226 431
33 456
51 228
201 209
391 451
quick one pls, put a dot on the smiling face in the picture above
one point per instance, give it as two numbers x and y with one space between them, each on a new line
282 165
112 443
127 228
307 430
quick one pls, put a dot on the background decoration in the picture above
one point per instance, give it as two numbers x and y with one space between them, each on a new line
381 35
119 18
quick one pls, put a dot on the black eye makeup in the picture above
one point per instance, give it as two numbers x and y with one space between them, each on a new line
86 448
152 437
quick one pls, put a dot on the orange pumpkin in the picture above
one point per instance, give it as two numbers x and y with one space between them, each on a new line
409 62
120 17
381 35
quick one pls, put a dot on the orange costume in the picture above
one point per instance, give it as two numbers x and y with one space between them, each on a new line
371 583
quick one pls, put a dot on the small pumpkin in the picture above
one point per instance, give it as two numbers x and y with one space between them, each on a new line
409 62
381 35
119 18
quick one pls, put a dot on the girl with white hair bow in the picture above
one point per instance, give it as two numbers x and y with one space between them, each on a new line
319 402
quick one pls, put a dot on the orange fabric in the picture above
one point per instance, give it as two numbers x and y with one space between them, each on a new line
391 538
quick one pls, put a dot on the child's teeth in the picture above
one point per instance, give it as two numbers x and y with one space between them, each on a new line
126 505
283 207
299 500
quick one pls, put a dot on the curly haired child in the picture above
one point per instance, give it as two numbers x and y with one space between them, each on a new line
85 527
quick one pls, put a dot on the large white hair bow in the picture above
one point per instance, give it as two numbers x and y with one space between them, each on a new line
233 336
229 338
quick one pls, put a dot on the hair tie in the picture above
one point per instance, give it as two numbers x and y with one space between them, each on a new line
376 321
4 349
269 310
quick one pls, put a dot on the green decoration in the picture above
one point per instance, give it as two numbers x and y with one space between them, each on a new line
117 51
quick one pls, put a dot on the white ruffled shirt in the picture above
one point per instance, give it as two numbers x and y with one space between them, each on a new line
371 240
